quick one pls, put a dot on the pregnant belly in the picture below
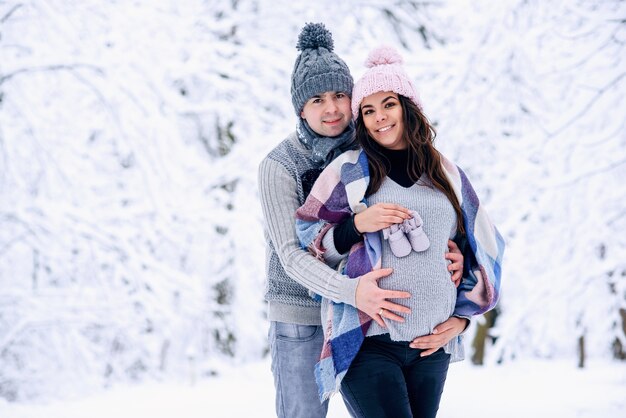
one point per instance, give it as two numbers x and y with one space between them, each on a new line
432 302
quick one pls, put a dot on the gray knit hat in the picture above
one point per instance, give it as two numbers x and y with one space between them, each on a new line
317 69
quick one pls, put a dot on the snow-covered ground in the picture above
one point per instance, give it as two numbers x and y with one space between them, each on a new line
538 389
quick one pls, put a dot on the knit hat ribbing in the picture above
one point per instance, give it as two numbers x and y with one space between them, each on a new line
317 68
385 74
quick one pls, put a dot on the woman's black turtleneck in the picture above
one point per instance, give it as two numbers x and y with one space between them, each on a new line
345 234
397 164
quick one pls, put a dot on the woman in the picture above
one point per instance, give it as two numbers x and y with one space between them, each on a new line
382 369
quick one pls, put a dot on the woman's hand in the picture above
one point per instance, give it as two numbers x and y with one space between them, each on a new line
442 333
380 216
456 262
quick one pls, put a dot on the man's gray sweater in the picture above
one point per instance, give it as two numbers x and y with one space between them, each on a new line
286 176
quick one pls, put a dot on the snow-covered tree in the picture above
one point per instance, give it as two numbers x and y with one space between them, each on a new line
131 241
536 103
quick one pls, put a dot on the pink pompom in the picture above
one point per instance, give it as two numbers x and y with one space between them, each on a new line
383 55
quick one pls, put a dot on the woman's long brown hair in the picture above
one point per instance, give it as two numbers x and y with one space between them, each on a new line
419 135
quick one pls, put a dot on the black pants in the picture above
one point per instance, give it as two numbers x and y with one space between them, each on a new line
390 379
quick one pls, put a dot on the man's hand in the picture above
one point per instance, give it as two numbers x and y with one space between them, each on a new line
370 298
380 216
442 333
456 265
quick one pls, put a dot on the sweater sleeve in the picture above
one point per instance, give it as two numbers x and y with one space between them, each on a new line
279 201
338 241
345 235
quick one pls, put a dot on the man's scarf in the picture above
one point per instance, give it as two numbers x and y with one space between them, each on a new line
338 193
324 149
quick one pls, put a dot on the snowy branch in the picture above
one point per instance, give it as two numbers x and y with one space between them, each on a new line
10 12
57 67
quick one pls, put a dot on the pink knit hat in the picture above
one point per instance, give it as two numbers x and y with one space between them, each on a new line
385 74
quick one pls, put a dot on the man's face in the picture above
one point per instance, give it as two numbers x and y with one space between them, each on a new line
328 113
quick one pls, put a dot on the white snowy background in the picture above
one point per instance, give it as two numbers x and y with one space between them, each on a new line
131 246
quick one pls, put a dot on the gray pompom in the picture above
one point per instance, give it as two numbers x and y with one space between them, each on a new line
315 35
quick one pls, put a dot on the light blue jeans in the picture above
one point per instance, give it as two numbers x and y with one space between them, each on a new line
295 350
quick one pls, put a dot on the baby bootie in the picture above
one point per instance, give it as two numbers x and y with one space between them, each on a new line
399 243
413 228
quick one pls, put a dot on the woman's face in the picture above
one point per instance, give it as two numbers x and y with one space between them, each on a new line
382 116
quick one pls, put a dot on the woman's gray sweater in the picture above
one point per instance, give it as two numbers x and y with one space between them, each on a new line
425 274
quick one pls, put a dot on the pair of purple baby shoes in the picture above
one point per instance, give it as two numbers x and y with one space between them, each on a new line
407 236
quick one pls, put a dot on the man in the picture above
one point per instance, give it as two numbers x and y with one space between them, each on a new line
321 85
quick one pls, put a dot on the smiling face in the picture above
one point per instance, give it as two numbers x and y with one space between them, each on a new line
328 113
383 119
